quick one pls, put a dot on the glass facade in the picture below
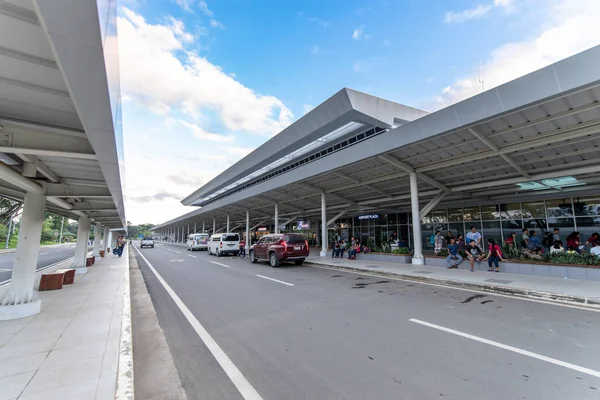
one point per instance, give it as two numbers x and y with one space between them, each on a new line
495 221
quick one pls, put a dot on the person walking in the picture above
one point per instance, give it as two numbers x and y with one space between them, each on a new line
438 242
242 251
120 245
494 255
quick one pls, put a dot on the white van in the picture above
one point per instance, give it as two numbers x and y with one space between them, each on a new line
197 241
224 243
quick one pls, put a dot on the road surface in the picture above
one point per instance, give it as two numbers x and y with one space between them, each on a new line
48 255
317 333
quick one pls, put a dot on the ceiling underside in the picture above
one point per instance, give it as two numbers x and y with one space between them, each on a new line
550 149
42 135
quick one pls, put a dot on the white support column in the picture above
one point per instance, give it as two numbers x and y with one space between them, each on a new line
203 226
195 231
317 225
109 241
97 239
416 220
247 230
324 241
227 224
214 225
21 301
276 218
182 240
188 230
81 247
105 242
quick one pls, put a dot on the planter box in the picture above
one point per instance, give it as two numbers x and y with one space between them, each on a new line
587 272
386 257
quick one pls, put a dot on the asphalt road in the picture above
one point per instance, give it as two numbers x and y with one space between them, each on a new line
48 255
342 335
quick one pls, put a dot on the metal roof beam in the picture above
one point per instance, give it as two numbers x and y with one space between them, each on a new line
405 167
338 215
432 203
62 190
41 167
357 182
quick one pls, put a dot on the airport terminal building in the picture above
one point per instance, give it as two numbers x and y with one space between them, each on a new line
521 155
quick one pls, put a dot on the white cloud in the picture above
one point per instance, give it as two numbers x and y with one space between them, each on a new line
186 5
306 108
466 15
318 21
568 27
159 72
204 8
203 134
216 24
359 33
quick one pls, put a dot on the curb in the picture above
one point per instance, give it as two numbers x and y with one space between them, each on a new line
125 390
526 293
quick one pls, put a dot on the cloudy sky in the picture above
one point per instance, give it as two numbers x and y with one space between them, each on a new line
206 82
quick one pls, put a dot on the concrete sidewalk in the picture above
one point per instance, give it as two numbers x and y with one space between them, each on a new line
71 349
541 287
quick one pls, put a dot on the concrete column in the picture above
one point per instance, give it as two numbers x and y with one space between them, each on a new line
214 225
227 224
317 230
324 241
416 220
109 241
188 230
247 230
81 247
105 242
203 227
195 231
20 300
276 218
97 239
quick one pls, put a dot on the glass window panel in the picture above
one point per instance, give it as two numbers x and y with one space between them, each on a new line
512 224
559 208
440 216
490 212
491 230
456 228
534 209
587 226
471 214
587 206
510 211
455 214
566 223
403 233
535 223
403 218
427 220
392 219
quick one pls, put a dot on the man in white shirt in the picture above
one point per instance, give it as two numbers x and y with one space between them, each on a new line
474 236
595 250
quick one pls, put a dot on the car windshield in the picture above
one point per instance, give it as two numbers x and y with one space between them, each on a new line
148 238
231 238
293 239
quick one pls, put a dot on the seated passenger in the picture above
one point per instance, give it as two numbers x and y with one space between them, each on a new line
557 247
453 255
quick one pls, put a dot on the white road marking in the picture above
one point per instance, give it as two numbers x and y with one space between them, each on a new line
43 254
552 303
241 383
275 280
176 260
222 265
189 255
511 348
178 252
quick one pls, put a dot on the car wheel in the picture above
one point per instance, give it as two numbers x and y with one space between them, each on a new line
299 262
273 261
152 246
253 259
218 253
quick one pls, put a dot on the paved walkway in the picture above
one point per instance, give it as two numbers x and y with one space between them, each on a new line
70 350
568 290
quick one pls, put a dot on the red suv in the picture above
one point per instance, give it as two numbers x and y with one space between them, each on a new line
280 247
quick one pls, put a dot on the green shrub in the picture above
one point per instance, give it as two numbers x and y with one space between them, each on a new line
47 235
370 243
572 258
401 250
510 252
443 253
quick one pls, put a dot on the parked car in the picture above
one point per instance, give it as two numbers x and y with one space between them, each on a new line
197 241
147 242
224 243
280 248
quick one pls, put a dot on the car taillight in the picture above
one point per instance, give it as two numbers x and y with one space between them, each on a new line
284 244
306 243
221 244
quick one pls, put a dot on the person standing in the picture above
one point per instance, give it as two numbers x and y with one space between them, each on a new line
120 245
449 236
556 235
438 242
242 251
473 235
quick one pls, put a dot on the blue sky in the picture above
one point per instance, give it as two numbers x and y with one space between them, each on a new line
205 82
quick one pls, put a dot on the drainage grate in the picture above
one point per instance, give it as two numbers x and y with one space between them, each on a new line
504 282
421 272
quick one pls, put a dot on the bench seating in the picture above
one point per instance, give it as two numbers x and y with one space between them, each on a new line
51 281
69 278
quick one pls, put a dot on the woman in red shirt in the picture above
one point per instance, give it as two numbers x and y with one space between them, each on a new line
494 255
